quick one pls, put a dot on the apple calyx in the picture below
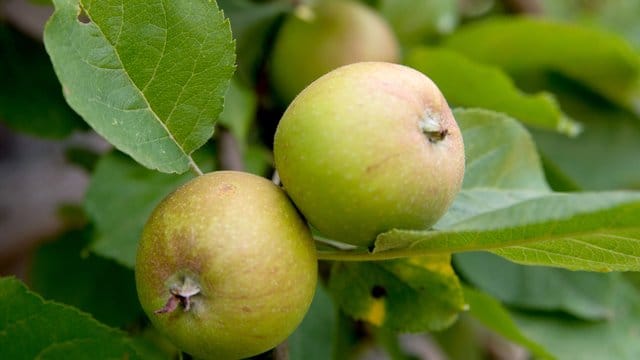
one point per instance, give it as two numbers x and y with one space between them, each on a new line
431 126
180 295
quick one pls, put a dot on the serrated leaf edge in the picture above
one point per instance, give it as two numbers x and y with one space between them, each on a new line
20 286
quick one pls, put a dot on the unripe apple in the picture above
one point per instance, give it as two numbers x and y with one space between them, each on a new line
330 34
226 267
367 148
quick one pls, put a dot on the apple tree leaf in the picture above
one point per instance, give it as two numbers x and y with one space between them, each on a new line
149 76
253 24
90 282
313 339
120 198
499 152
620 17
576 339
557 178
31 327
497 318
600 60
596 231
416 21
413 294
470 84
586 295
605 155
239 111
30 97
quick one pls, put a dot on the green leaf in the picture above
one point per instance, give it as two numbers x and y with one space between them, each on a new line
470 84
253 24
258 159
63 271
499 152
620 17
347 344
465 331
476 202
573 339
31 327
77 349
605 154
389 341
120 198
600 60
149 76
30 99
557 178
82 157
151 344
314 337
239 111
585 295
414 294
495 317
583 231
416 21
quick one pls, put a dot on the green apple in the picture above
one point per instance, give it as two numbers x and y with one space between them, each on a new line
226 267
328 35
367 148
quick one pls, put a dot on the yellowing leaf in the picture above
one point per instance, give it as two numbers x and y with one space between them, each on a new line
403 295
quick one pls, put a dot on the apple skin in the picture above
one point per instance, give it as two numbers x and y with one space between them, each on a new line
337 33
367 148
241 241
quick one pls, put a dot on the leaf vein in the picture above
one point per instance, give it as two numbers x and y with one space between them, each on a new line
117 40
588 244
162 52
548 254
142 95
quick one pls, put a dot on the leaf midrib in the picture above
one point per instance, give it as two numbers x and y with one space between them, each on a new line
514 243
521 202
135 86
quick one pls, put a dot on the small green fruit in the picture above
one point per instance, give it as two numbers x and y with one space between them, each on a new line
226 268
367 148
330 34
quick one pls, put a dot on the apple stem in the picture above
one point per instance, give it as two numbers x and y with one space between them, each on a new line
194 167
170 306
180 295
